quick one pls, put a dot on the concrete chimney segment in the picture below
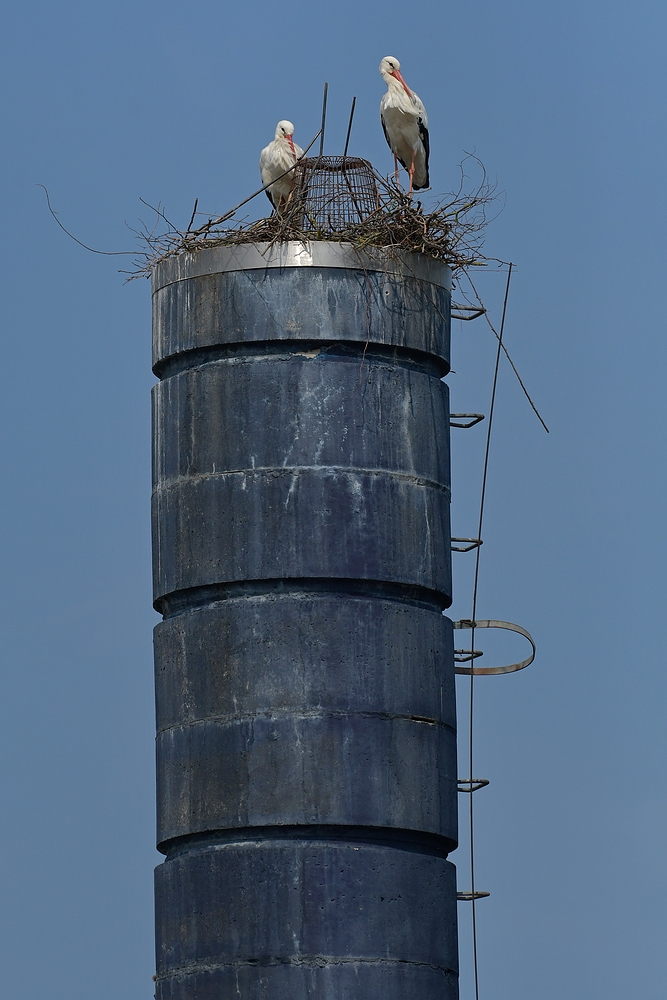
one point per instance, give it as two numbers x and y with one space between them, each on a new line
304 670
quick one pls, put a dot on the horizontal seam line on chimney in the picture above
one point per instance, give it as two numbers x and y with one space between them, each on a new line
337 835
302 588
294 714
308 961
279 471
349 351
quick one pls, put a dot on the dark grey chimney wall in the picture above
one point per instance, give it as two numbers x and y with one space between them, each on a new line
306 747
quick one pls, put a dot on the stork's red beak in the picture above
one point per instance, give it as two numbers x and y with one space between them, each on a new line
289 139
397 74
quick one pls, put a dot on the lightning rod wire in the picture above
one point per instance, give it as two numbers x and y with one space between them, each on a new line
473 620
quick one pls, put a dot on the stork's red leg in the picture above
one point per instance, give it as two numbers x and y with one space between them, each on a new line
412 171
396 168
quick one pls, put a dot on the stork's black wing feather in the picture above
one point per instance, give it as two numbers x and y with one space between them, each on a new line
386 134
423 135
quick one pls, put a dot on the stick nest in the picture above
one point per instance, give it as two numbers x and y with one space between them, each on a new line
452 231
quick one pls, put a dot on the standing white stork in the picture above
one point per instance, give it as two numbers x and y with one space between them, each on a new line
274 160
405 124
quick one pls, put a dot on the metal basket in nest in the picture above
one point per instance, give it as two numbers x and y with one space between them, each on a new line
332 192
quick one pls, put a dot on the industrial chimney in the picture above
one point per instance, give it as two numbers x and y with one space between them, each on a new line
306 746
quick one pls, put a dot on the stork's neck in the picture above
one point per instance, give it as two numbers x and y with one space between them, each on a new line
393 85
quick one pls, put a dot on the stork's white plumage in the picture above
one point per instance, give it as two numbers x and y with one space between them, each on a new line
405 124
275 159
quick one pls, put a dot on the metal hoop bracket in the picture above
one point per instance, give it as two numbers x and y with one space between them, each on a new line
471 654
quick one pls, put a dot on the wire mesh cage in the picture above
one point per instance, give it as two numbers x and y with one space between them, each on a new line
332 192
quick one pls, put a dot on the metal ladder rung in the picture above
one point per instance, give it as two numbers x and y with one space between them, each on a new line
474 784
474 543
466 655
472 418
466 313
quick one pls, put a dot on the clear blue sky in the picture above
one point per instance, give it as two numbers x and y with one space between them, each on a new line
564 103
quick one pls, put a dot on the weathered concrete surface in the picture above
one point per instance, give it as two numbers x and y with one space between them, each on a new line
335 709
351 300
304 670
282 651
240 413
290 921
257 448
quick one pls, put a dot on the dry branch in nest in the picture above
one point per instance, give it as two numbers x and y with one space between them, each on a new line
452 232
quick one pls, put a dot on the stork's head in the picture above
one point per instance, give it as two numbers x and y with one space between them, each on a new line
390 70
284 130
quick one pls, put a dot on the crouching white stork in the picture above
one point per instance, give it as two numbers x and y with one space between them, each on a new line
405 124
275 159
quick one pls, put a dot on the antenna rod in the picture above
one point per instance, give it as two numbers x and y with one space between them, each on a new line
349 127
324 117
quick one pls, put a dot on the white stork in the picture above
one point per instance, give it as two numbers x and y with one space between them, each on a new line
274 160
405 124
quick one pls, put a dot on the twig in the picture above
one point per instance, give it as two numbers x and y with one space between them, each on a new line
105 253
158 212
506 352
